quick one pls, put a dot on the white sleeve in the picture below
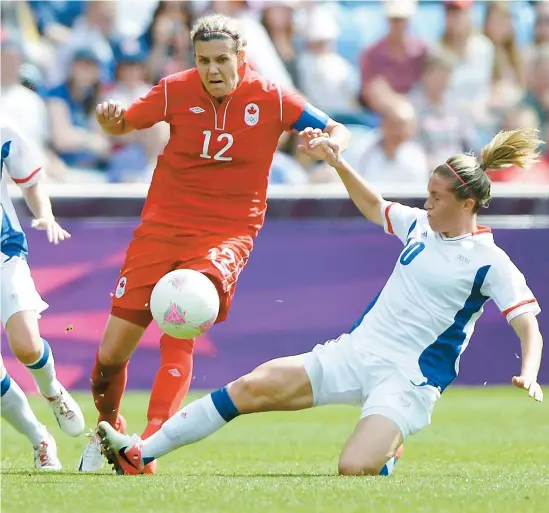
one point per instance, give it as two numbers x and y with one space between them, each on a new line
506 285
398 219
23 160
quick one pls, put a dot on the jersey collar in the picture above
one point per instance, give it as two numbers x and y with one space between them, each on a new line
481 230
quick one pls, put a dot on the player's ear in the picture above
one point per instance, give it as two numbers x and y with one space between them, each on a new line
241 57
469 205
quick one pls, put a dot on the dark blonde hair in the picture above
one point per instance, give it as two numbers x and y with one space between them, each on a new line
513 148
218 26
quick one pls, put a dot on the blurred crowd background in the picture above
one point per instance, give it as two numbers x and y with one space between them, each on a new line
415 81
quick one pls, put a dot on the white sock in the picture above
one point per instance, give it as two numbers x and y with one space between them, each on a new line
17 411
43 372
196 421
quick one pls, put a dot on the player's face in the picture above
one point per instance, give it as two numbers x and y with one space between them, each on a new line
217 63
444 210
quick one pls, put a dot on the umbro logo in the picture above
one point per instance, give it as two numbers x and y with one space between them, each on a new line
197 110
463 259
424 234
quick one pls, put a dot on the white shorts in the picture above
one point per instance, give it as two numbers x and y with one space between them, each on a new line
17 290
342 374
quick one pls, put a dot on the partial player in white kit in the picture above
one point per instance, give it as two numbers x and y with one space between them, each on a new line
405 350
21 305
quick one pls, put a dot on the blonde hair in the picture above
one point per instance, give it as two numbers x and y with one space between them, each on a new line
218 26
511 148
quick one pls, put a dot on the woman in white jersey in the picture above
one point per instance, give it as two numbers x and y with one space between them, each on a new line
21 305
404 351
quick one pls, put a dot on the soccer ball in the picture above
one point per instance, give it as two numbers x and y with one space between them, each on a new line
184 303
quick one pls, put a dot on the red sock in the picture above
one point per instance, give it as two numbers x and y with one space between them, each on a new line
108 383
172 382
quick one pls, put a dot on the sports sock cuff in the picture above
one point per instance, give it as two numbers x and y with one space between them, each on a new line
224 404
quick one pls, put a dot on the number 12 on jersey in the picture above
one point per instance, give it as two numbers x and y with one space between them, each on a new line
219 155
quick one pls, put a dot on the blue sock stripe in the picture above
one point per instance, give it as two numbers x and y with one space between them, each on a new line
5 385
388 468
224 404
44 358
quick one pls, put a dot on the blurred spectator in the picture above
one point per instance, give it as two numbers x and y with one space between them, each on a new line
538 86
167 39
327 80
397 58
23 107
278 20
260 52
541 31
392 155
133 155
541 26
133 17
444 129
285 169
72 115
94 29
508 78
472 76
55 19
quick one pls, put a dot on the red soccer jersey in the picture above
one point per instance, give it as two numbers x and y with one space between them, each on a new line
212 176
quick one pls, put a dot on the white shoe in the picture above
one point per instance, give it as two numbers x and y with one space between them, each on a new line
45 454
92 458
67 412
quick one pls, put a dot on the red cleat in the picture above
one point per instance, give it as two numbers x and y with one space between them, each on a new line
123 452
152 427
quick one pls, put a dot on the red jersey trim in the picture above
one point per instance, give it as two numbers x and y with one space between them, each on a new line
25 180
388 219
522 303
481 229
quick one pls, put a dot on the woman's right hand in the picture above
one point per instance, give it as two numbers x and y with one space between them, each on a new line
110 115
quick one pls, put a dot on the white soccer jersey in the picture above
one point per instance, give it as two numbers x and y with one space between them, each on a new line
23 162
425 315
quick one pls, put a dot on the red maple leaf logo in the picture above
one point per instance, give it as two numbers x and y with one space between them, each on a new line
252 110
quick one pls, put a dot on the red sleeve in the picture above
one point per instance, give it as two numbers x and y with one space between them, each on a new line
292 106
151 108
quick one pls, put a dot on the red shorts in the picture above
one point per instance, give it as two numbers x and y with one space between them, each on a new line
148 259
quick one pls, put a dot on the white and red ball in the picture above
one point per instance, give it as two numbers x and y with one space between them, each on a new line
184 303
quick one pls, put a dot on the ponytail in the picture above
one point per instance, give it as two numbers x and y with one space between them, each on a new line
513 148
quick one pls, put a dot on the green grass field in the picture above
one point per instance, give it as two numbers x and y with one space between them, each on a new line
487 451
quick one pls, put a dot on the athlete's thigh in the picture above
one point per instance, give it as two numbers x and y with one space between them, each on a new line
334 372
396 398
281 384
18 291
147 260
222 259
374 440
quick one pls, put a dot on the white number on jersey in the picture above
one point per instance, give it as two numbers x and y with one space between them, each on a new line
223 260
219 154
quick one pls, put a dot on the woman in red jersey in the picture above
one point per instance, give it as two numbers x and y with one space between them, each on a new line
205 205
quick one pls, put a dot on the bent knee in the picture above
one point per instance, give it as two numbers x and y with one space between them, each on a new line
249 393
26 354
112 357
353 467
26 348
256 391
